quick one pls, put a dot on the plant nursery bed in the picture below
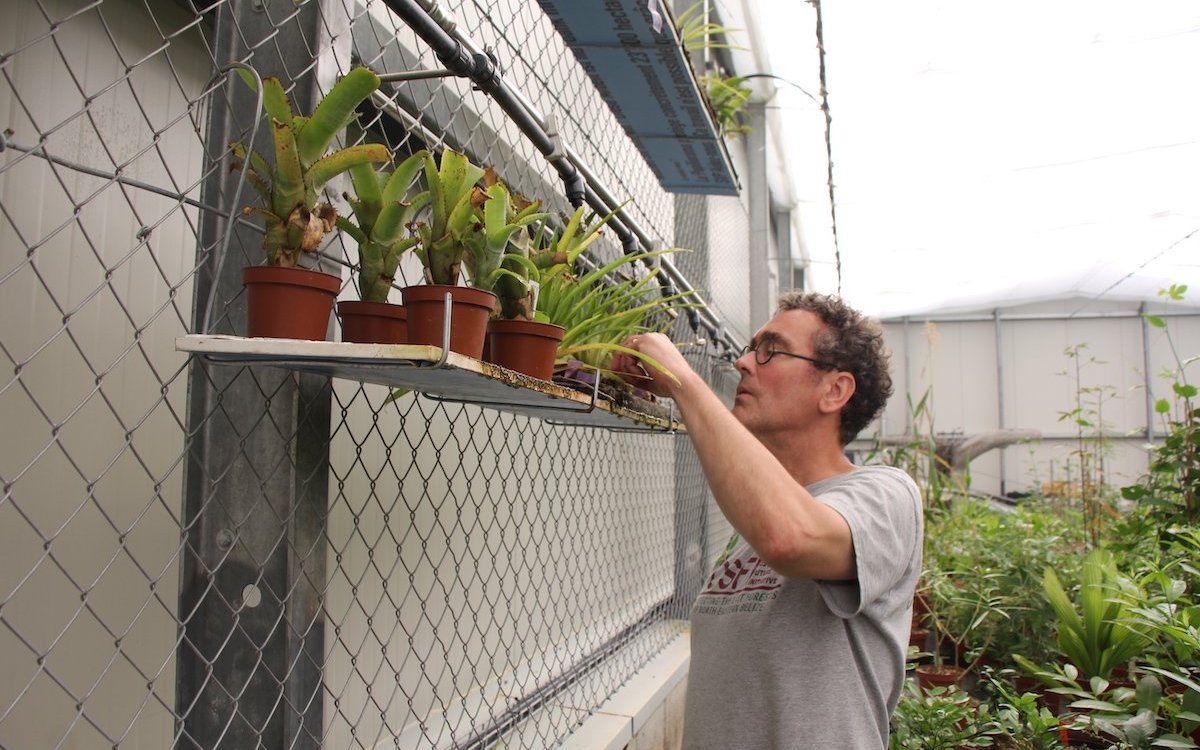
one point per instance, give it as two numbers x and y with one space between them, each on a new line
448 377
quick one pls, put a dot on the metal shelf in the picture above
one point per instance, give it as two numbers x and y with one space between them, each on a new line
443 376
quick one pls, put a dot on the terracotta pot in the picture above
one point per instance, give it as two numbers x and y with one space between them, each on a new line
920 610
470 309
930 676
1078 737
524 346
288 303
373 322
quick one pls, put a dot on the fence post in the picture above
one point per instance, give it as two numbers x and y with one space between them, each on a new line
253 569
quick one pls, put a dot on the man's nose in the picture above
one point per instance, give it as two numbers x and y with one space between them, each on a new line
744 362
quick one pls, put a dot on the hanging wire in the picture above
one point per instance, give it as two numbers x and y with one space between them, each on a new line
820 31
1133 271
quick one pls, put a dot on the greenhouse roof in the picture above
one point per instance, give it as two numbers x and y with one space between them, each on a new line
990 154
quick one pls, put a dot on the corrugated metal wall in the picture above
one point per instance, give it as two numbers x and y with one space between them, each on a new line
1015 373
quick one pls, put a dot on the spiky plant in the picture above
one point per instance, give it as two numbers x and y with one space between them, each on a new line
497 254
290 187
383 216
603 307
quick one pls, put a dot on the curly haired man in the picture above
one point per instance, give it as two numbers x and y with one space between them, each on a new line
800 633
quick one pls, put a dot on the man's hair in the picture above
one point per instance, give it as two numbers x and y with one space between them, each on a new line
855 344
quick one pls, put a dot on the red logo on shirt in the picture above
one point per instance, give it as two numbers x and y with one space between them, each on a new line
737 575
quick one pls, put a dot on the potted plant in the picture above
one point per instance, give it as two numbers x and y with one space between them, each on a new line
282 299
601 307
455 222
939 719
1098 635
1021 721
499 259
382 233
947 601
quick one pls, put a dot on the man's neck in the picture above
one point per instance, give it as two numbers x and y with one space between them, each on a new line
808 458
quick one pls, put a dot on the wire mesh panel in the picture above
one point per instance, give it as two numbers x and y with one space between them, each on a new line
209 556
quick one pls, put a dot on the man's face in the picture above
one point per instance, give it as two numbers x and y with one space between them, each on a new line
783 393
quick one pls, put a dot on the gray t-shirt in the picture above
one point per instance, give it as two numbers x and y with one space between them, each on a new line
793 663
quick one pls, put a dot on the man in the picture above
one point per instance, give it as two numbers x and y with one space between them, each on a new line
799 636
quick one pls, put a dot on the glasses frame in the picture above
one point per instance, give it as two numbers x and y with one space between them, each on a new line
766 345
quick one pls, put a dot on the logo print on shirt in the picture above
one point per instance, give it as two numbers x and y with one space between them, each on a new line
737 575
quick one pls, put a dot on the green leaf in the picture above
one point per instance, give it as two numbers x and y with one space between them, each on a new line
402 177
1162 406
1098 705
275 101
396 394
288 179
367 192
334 112
348 227
1185 390
1172 740
1154 320
342 161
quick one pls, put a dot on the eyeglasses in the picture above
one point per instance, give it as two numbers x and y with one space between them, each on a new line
763 352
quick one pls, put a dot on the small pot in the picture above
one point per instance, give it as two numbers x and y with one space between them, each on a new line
373 322
919 637
470 310
930 676
288 303
524 346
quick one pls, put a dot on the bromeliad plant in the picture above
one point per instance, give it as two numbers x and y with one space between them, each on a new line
454 200
291 187
383 220
497 252
471 224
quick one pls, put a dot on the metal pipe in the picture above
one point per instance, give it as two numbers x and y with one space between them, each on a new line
1146 372
482 70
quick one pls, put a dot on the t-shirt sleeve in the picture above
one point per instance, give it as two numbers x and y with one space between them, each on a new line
883 509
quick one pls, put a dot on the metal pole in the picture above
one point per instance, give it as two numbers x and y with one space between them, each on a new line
256 478
1000 396
759 196
1146 379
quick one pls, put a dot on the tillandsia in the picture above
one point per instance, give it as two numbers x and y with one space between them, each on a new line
384 228
290 188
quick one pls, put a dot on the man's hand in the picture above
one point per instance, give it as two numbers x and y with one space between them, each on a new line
642 374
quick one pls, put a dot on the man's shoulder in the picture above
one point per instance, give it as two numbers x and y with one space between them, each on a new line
878 473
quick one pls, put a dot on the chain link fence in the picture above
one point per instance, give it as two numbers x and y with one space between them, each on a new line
208 556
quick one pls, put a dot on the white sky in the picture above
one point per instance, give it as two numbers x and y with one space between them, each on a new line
1011 149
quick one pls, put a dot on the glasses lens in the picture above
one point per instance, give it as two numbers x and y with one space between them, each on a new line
762 352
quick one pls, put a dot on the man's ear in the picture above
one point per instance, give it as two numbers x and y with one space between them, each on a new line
838 390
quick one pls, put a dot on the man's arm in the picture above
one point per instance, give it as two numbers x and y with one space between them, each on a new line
793 532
